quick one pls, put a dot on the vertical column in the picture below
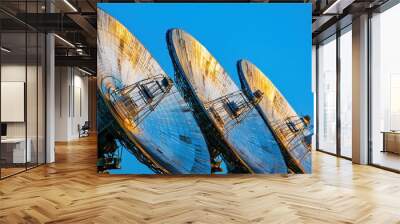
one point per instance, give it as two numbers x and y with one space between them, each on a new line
314 91
360 90
50 92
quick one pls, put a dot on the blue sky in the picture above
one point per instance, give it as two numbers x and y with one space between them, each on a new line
275 37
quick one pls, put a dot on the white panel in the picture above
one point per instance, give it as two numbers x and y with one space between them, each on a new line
12 101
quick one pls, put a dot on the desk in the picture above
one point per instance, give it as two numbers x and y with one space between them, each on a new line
13 150
391 141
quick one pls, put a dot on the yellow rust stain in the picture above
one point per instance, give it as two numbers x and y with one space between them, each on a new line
128 126
273 98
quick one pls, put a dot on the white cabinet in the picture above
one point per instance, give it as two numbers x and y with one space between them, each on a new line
17 146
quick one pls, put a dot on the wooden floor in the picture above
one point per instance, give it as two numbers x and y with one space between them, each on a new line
70 191
387 159
5 172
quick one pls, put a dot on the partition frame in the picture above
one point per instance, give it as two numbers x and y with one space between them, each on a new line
387 5
338 152
44 94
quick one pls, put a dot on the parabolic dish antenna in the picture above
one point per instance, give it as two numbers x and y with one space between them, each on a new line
226 116
289 129
146 104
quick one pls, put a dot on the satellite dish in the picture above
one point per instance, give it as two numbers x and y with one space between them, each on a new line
145 103
289 129
226 116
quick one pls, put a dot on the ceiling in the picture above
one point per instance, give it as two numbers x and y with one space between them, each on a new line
74 21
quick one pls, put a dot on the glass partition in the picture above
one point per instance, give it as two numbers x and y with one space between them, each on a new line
346 92
31 98
385 89
335 94
327 95
13 94
22 77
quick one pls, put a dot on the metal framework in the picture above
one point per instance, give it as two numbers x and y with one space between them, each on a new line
231 109
223 111
109 127
216 142
292 131
139 99
153 117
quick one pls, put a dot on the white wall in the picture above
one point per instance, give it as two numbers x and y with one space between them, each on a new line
71 102
81 113
62 82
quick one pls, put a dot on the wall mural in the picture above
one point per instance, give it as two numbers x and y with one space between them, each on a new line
180 111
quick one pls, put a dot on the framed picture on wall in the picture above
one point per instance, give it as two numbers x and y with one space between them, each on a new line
204 88
12 101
